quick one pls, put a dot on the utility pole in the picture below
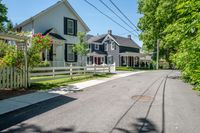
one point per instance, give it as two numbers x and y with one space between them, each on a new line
158 51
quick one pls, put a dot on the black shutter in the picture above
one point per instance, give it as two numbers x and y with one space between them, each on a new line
65 52
43 56
76 57
106 59
75 27
65 26
51 53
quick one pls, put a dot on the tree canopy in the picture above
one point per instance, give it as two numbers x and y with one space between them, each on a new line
81 48
177 24
3 16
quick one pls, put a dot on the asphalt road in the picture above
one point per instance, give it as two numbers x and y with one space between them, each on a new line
154 102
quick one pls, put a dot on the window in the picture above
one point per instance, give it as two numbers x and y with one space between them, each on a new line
105 47
70 53
89 47
110 60
96 47
113 46
70 26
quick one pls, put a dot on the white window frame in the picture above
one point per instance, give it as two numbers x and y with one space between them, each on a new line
68 26
110 59
96 47
113 47
106 47
70 53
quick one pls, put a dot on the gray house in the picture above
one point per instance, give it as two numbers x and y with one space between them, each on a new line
109 49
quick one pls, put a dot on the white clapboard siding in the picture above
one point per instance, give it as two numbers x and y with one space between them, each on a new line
10 77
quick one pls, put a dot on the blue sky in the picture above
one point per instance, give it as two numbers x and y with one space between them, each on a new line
19 10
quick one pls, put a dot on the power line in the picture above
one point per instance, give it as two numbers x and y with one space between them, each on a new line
118 16
109 17
123 14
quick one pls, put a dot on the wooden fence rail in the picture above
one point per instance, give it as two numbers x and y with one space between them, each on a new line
10 77
72 70
48 73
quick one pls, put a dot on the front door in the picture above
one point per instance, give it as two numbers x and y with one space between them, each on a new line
99 61
59 53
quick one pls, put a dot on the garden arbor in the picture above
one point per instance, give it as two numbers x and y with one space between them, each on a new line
21 42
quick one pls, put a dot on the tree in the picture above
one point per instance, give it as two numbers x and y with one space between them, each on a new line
39 44
157 14
3 16
184 36
11 56
9 26
149 25
177 24
82 47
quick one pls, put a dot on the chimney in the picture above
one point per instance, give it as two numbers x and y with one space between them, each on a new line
110 32
129 36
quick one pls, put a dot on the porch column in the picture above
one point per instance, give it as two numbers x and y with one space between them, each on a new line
139 62
119 60
93 60
133 61
127 61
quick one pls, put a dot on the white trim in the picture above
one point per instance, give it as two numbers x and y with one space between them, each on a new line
66 3
109 36
105 46
132 54
96 54
113 44
70 53
73 25
76 14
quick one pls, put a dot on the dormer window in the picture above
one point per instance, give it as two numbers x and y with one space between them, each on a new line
96 47
105 46
113 46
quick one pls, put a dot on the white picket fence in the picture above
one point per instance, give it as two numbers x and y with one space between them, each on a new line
10 77
54 72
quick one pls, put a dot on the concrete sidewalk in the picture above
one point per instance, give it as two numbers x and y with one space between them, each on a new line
12 104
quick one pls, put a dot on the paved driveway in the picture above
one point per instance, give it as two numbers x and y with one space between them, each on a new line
155 101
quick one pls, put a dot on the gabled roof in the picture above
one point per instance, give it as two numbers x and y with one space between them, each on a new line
121 41
88 36
53 34
66 3
97 39
127 42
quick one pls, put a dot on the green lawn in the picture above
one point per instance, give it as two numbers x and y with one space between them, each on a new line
131 69
53 83
124 69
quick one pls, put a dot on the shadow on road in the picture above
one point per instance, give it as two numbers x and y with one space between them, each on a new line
25 128
12 118
143 125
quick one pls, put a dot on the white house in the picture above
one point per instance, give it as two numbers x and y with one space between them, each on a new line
62 23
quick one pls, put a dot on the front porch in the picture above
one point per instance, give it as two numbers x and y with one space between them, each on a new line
96 58
138 60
